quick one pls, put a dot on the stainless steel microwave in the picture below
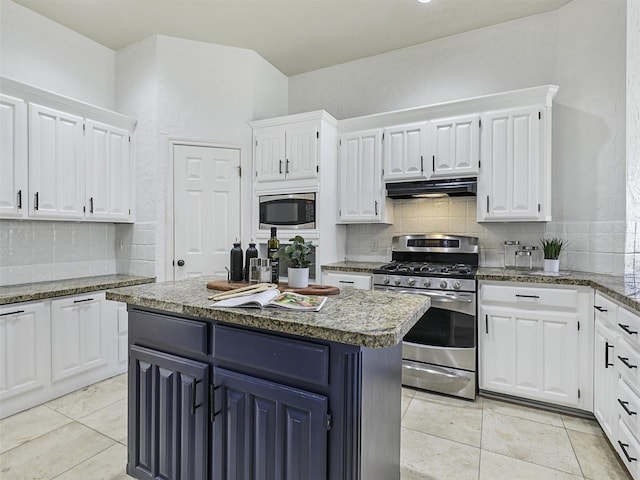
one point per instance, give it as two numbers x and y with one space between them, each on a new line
290 212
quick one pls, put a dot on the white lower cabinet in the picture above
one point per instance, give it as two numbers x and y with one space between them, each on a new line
25 346
340 279
55 346
604 376
535 341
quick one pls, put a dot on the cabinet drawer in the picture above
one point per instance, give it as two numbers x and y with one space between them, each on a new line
628 406
628 362
279 356
536 297
628 325
628 449
163 331
347 280
605 309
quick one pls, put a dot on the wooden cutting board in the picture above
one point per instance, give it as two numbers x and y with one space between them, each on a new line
224 286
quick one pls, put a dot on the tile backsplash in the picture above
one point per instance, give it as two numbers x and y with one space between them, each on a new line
36 251
592 246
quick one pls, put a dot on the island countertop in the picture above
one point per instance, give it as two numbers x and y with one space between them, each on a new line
364 318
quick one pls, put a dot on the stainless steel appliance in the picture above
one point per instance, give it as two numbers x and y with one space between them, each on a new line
289 211
439 352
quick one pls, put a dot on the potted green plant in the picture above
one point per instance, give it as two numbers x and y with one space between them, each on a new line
296 254
551 248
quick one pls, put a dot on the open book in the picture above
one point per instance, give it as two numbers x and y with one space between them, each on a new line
274 298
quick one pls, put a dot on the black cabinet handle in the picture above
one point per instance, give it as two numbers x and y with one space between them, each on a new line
607 346
19 199
286 169
627 329
84 300
421 164
15 312
346 281
623 447
375 205
487 203
36 201
280 167
433 163
527 296
212 403
625 360
193 396
91 205
624 406
600 309
486 324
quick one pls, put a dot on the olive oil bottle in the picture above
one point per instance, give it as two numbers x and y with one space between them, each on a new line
272 248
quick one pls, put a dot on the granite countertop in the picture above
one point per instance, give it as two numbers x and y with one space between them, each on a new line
356 317
27 292
353 267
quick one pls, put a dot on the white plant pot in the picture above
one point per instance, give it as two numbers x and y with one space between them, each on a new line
551 266
298 277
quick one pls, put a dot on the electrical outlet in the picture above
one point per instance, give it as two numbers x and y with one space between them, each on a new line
374 246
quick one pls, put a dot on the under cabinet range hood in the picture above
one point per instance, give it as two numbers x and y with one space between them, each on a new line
455 187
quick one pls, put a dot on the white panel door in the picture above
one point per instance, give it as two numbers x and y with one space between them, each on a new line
13 157
497 349
361 176
456 147
510 185
206 209
56 164
24 348
301 149
79 333
405 152
269 154
108 172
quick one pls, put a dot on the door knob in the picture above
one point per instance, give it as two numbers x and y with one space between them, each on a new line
181 263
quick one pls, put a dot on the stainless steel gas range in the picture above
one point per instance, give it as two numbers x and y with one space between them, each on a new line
439 352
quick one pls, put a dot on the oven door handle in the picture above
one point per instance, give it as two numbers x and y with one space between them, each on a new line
441 297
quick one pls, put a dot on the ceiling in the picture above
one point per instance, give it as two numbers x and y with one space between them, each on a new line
295 36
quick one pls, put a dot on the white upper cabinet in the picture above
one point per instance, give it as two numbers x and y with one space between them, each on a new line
286 153
516 156
405 149
455 144
362 195
108 172
13 157
56 164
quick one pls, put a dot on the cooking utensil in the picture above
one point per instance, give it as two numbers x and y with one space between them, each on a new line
242 291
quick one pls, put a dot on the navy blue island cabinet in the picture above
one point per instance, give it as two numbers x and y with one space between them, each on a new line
210 400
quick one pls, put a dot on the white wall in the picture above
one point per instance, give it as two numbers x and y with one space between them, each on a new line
579 47
195 91
36 51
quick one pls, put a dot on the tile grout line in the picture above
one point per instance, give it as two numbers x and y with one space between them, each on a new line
85 460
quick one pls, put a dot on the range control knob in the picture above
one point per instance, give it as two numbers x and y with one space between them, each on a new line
426 283
443 284
411 282
457 285
386 280
397 281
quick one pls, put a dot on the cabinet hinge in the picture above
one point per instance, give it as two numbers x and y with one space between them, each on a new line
383 137
340 142
317 134
317 169
84 128
578 393
129 211
329 421
480 123
578 326
256 143
256 173
339 213
539 115
84 209
129 138
479 163
539 208
239 171
383 173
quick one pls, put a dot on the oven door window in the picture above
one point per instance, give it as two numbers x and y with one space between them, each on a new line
444 328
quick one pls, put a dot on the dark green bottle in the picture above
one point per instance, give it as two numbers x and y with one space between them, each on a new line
272 248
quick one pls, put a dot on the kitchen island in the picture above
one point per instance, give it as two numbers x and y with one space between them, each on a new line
240 393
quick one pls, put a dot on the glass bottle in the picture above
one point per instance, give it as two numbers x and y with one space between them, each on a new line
251 252
236 263
272 248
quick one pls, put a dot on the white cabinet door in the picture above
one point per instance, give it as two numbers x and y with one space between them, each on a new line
405 149
362 197
604 377
56 164
25 349
269 154
456 147
108 172
301 151
13 157
512 181
79 332
530 354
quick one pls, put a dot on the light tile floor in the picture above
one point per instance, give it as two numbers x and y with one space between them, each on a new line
82 436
